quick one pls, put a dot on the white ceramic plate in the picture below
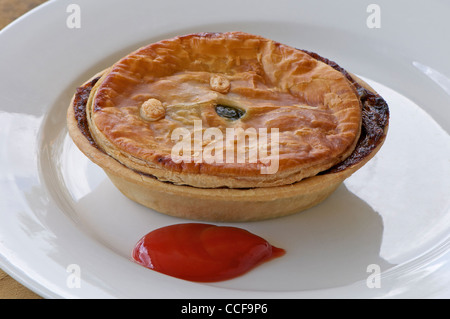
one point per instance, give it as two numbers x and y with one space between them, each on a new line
57 209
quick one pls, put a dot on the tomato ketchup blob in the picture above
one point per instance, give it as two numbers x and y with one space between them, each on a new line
203 252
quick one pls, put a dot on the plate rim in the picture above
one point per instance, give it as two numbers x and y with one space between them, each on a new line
8 263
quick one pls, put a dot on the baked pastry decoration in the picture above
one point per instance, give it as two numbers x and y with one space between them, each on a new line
227 126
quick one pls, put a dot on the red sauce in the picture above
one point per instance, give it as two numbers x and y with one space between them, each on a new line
202 252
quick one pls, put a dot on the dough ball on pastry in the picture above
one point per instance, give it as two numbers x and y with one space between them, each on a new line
219 83
152 110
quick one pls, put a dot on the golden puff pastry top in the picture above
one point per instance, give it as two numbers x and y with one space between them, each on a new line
144 97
